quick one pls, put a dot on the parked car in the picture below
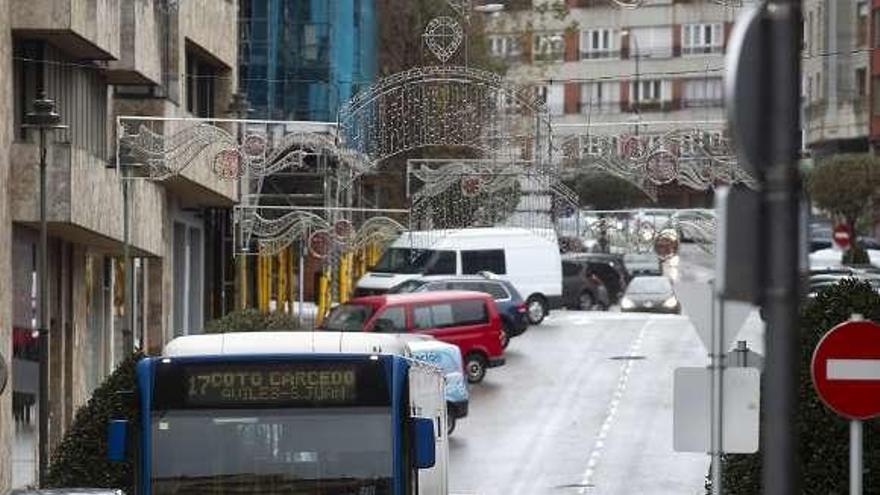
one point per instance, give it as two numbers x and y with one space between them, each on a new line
650 294
581 289
448 358
468 320
610 269
527 258
510 303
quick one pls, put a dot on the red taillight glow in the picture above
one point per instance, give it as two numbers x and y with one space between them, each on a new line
521 308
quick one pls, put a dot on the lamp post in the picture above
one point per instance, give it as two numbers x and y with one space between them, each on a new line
239 108
43 118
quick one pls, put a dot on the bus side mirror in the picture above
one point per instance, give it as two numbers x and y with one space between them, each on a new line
424 454
117 437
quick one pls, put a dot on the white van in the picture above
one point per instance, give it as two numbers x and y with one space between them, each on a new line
528 259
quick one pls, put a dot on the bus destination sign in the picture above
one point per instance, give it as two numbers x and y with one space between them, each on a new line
272 383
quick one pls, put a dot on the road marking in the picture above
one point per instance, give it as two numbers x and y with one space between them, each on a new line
853 369
611 413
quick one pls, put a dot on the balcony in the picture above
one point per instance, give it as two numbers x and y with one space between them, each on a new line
85 29
85 199
140 59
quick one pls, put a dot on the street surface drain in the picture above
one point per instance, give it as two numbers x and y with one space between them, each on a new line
575 485
627 358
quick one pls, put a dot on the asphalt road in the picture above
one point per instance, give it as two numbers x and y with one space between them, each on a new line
584 405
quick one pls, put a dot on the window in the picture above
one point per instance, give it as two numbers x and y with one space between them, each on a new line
554 96
875 96
702 38
471 312
392 320
490 260
200 86
861 77
598 43
600 97
494 289
809 35
703 92
570 269
549 47
876 29
442 264
188 274
651 42
505 46
654 90
862 23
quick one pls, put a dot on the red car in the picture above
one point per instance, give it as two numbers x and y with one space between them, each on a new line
468 320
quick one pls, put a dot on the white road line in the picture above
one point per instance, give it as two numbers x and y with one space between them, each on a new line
853 369
611 413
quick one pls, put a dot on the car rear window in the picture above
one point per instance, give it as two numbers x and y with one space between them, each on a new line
348 318
451 314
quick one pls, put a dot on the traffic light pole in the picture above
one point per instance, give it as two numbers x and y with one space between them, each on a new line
781 196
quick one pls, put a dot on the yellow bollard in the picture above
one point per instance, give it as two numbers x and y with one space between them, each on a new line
323 296
282 282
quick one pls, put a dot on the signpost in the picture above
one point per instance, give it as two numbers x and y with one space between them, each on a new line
846 375
842 236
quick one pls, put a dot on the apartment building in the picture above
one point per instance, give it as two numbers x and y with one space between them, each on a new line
612 71
837 76
99 60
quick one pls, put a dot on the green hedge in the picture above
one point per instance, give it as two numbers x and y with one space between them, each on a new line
81 458
822 435
252 320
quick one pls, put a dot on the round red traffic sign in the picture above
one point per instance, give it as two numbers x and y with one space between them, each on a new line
846 369
842 236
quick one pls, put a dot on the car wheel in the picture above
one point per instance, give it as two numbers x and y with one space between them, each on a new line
586 301
450 424
475 368
536 309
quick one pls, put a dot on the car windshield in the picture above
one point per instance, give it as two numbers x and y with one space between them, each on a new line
406 260
328 451
649 285
348 318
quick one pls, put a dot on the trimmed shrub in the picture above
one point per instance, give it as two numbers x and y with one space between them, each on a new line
823 436
252 320
80 460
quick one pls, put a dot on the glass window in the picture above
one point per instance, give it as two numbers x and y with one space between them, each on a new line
348 318
549 47
649 285
494 289
443 263
405 260
570 270
600 97
490 260
598 43
422 317
273 452
468 312
392 320
875 95
862 23
702 38
861 77
442 315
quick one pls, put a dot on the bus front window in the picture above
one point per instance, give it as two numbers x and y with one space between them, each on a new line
331 451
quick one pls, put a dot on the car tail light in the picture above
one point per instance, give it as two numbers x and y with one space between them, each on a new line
521 308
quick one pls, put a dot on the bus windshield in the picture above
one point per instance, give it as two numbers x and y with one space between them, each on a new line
332 451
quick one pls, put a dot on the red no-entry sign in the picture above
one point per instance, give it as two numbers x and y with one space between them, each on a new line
842 236
846 369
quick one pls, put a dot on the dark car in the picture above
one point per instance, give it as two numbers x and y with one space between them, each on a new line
582 289
650 294
510 303
610 269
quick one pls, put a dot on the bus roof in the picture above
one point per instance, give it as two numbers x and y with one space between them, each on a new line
275 343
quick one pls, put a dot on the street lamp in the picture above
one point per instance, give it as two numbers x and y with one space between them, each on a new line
43 118
637 56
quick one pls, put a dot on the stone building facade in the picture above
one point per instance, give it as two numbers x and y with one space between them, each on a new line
100 60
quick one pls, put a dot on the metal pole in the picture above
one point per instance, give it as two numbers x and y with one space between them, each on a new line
300 283
855 457
43 330
780 147
717 370
638 56
128 321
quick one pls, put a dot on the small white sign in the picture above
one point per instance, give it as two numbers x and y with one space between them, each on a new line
741 410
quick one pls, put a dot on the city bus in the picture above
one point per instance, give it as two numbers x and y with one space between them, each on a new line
287 413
